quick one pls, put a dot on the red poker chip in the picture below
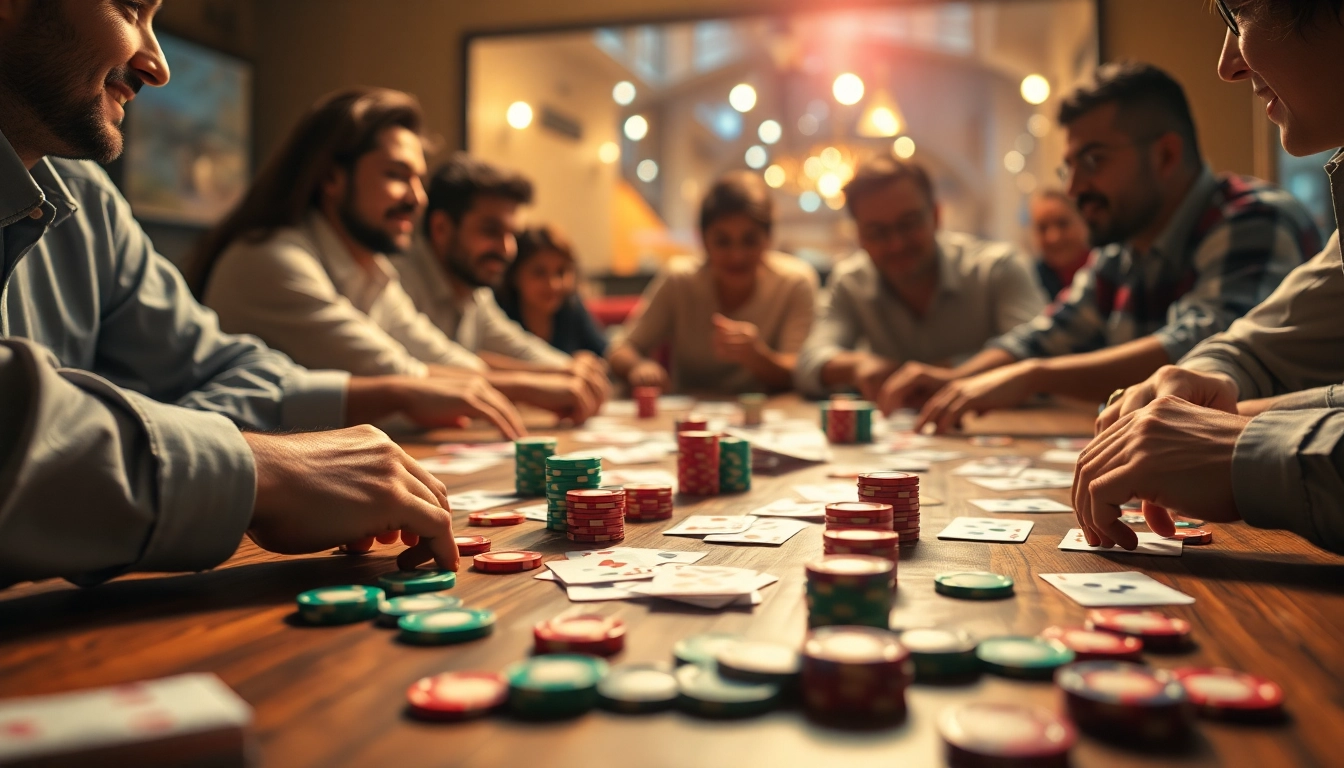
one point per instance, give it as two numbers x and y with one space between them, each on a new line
457 695
1003 734
594 495
876 539
584 633
583 531
647 518
1194 536
886 521
850 568
507 561
1157 630
588 522
1096 645
613 510
471 545
588 537
1231 695
495 518
644 489
862 508
847 527
890 478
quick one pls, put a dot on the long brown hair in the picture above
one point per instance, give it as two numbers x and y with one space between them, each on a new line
335 132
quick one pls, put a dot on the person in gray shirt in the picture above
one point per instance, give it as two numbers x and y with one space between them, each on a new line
1249 424
915 294
134 435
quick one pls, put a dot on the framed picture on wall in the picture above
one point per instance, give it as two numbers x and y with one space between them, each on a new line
189 144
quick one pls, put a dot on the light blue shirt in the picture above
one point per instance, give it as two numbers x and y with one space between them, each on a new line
122 400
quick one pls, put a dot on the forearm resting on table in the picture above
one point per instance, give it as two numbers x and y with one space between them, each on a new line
623 358
986 359
841 370
1095 375
773 369
500 362
1318 397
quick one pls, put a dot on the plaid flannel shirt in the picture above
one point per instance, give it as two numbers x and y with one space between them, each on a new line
1228 246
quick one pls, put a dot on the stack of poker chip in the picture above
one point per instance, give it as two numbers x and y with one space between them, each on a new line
848 541
562 476
595 514
858 516
1005 735
648 502
698 463
901 491
691 422
848 421
583 633
646 402
753 408
850 590
1122 700
855 674
554 685
734 465
529 458
703 691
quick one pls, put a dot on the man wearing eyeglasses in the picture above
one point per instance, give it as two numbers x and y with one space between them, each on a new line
1179 253
915 293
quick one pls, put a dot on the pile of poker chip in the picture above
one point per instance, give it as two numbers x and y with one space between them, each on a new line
691 422
734 465
858 516
855 674
648 502
565 474
753 408
901 491
646 402
529 458
848 421
850 590
852 541
595 514
698 463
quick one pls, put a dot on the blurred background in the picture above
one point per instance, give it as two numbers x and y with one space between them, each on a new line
623 112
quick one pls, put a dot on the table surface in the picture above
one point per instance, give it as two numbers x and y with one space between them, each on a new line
1266 602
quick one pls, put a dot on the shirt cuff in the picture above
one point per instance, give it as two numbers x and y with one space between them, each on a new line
1270 464
1176 343
1204 363
314 399
1011 344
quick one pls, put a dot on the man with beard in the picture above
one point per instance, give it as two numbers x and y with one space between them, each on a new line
134 435
1179 254
471 221
302 261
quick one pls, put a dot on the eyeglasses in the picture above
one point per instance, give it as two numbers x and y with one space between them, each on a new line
1090 161
1228 17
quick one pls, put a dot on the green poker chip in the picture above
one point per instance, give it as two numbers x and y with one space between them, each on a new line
554 685
638 688
416 581
392 610
339 605
703 649
941 654
706 693
1028 658
973 585
566 464
451 625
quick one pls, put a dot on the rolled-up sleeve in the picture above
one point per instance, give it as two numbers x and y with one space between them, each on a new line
1288 473
1072 324
96 481
835 329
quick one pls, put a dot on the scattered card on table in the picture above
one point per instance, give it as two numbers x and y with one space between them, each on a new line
1149 544
700 580
993 466
638 589
701 525
1027 480
641 555
774 531
533 512
1130 588
827 493
1021 505
803 510
1061 456
599 570
459 465
987 529
475 501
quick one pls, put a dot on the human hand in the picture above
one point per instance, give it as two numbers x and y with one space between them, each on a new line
1173 455
1211 390
648 373
870 374
593 371
735 341
435 401
560 393
999 388
321 489
912 385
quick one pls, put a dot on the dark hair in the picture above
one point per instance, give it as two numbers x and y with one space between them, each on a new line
338 130
1149 103
454 187
738 192
1054 193
1301 14
532 242
875 174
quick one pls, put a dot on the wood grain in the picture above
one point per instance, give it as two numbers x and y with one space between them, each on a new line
1266 602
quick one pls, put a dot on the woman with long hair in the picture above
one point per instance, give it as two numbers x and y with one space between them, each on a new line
540 293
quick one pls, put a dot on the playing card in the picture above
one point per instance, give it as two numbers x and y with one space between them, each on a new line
754 597
993 466
1096 590
475 501
533 512
500 449
700 580
774 531
827 493
893 464
927 455
700 525
1071 443
1021 505
641 555
1061 456
803 510
599 570
644 453
459 465
1149 544
591 593
1027 480
786 440
628 476
987 529
617 436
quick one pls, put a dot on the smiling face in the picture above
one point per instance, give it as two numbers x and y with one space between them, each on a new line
545 281
1112 178
1059 232
898 226
735 246
381 196
1295 72
73 65
479 248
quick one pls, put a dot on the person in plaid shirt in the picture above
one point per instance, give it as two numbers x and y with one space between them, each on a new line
1178 255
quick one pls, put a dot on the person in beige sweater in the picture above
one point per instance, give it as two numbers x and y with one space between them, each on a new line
734 321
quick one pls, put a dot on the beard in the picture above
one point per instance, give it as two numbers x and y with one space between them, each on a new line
364 233
1127 218
43 65
463 266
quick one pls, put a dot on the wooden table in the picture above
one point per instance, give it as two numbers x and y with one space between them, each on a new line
332 696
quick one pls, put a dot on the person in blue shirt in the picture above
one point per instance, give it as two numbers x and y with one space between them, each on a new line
540 293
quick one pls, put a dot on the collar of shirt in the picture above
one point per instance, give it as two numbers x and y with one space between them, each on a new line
435 279
950 279
22 193
349 277
1334 168
1173 239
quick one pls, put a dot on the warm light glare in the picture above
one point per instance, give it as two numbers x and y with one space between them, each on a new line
813 167
1014 162
884 122
609 152
1026 182
831 157
1039 125
742 97
636 127
848 89
809 201
1025 143
647 170
770 132
775 176
828 185
623 93
808 124
836 202
756 157
1035 89
519 115
904 147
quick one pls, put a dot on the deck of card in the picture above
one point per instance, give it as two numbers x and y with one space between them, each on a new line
1128 588
704 525
1021 505
987 529
1149 544
771 531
